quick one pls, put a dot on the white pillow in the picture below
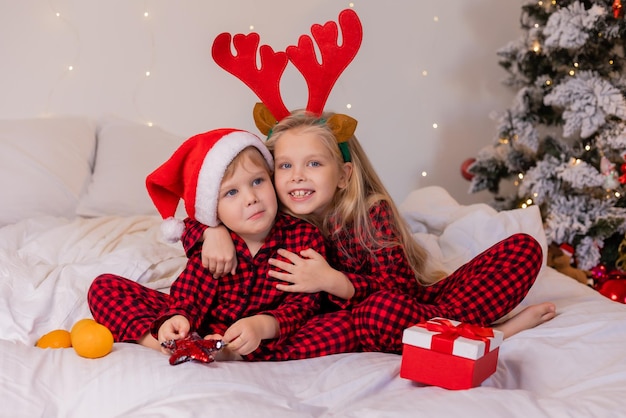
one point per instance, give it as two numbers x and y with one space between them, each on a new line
45 165
454 233
126 153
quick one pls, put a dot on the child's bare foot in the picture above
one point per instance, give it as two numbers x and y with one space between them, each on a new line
530 317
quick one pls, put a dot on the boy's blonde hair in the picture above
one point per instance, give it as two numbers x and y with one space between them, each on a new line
250 153
351 205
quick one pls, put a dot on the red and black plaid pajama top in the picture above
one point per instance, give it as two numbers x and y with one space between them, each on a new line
130 310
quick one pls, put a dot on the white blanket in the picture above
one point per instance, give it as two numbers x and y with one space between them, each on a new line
47 264
574 365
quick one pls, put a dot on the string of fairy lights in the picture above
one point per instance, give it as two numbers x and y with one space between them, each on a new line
69 68
146 18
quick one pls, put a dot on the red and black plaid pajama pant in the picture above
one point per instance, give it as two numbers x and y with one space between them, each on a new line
128 309
480 292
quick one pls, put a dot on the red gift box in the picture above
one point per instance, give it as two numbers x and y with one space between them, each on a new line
449 354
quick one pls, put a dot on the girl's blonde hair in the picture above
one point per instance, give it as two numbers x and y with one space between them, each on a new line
351 205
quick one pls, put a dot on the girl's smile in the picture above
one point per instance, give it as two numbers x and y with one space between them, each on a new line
301 194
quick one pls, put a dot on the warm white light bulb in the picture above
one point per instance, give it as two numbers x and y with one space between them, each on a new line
436 18
71 67
251 27
146 14
149 123
435 126
147 73
424 174
536 46
424 73
351 4
348 106
58 14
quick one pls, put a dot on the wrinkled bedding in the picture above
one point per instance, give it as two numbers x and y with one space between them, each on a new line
573 365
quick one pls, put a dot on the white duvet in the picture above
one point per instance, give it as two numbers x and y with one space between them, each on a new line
574 365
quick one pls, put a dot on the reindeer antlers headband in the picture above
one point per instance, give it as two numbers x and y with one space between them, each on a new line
320 77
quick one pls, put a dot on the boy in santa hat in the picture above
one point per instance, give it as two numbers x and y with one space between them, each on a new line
225 176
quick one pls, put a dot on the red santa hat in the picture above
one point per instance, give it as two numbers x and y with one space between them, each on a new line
194 173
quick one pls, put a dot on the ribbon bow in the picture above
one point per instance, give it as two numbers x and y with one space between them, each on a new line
448 332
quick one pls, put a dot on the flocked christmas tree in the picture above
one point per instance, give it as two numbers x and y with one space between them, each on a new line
562 143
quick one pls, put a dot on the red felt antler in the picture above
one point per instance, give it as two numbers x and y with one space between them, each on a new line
264 81
321 78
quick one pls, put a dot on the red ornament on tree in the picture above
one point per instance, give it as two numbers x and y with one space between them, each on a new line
618 11
622 178
464 166
614 289
598 273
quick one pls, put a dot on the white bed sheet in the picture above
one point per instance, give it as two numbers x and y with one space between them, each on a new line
574 365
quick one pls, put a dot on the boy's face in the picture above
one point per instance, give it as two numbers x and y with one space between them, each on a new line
247 201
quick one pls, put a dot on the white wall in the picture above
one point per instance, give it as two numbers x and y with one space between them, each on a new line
111 45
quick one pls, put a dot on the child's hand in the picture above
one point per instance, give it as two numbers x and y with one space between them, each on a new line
225 354
309 272
306 272
245 335
242 337
174 328
218 252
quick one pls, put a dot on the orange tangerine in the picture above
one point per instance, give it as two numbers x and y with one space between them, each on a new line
83 322
91 339
59 338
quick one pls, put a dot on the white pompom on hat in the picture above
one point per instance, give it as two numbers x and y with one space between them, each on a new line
194 173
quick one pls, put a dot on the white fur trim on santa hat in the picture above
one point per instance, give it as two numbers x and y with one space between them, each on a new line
172 229
215 163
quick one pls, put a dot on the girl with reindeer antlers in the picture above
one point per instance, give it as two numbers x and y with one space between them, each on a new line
374 267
